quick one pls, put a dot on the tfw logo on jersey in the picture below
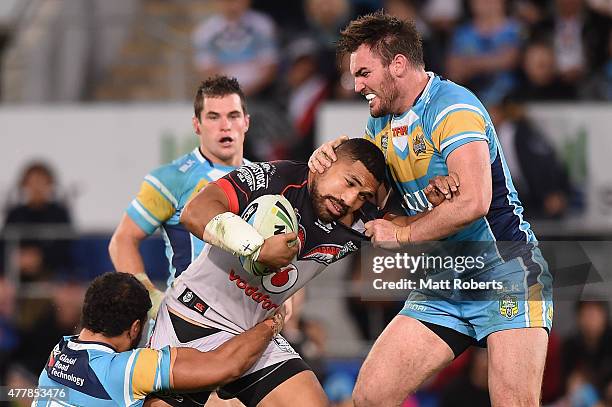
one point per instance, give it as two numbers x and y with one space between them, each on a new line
252 292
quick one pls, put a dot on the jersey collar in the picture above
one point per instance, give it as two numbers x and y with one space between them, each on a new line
202 159
77 344
423 96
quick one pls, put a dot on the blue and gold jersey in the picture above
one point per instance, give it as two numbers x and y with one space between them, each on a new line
417 144
163 194
94 374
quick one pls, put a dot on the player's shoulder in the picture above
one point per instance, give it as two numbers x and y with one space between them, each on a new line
282 168
448 96
261 175
179 169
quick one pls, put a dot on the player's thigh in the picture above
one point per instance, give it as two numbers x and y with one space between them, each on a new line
402 358
516 366
302 389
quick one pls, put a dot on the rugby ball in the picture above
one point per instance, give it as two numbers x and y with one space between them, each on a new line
270 215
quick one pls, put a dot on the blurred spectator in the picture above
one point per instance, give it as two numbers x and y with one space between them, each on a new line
343 84
568 29
470 389
62 318
306 89
485 51
587 355
531 13
540 179
599 86
38 208
8 332
539 78
442 17
238 42
291 21
434 53
325 19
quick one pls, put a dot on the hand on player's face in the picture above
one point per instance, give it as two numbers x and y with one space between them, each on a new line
442 187
278 250
342 189
323 157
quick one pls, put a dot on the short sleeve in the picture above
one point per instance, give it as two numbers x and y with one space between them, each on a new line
139 373
154 204
456 125
248 183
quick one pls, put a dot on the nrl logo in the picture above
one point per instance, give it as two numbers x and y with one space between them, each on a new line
508 307
188 296
418 144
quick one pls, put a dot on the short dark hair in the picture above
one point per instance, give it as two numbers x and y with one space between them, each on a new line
217 86
385 35
113 302
359 149
37 167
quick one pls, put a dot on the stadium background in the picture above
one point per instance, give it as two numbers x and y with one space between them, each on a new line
100 92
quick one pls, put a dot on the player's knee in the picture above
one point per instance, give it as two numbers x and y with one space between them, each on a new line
511 393
520 399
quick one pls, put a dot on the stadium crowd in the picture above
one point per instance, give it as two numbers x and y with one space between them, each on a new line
507 52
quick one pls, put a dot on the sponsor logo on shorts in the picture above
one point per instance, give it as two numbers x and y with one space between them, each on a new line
252 291
508 306
415 307
284 345
189 299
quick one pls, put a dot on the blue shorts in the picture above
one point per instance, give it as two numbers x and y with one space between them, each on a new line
525 300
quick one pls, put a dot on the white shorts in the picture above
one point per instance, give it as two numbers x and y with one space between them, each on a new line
277 351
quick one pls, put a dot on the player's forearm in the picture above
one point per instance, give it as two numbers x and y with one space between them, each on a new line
242 351
444 220
125 255
208 203
194 370
407 220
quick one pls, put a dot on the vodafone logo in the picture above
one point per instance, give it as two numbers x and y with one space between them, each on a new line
281 281
252 292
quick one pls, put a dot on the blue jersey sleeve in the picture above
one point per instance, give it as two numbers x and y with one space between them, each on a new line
157 199
133 375
457 119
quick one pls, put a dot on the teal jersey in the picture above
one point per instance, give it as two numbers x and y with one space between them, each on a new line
417 143
163 194
93 374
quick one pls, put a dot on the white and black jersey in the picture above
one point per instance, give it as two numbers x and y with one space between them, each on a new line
216 291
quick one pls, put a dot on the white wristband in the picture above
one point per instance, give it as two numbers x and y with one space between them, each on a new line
231 233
